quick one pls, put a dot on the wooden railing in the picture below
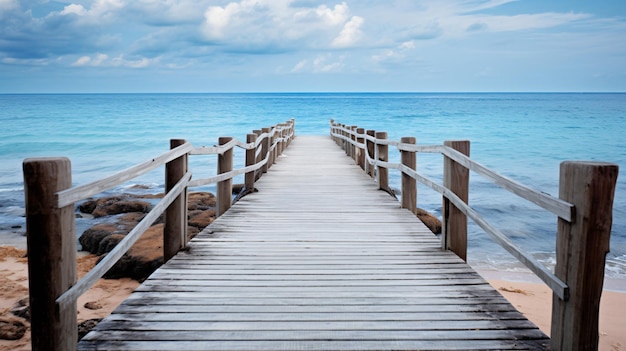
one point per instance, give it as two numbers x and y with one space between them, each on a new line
51 233
584 212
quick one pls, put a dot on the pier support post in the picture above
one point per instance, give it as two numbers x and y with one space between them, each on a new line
250 161
369 148
409 185
360 153
455 178
225 187
581 250
265 147
51 240
292 130
272 148
175 227
258 172
353 148
383 155
281 143
346 144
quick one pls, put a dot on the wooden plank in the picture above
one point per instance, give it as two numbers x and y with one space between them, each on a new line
314 345
318 259
299 327
320 307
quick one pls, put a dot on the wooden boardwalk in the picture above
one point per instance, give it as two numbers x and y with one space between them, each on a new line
318 259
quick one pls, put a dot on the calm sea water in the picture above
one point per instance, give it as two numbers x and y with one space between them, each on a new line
523 136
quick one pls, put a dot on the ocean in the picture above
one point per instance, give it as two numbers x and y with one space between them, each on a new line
524 136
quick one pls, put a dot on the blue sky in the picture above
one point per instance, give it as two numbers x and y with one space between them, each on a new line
308 45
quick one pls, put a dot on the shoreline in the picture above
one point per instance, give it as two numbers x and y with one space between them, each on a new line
523 290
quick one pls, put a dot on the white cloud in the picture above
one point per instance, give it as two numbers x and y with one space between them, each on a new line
82 61
408 45
217 19
350 34
457 18
299 66
280 25
6 5
395 55
327 63
74 9
98 60
335 16
102 60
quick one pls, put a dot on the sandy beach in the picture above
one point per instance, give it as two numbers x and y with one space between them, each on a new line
532 299
98 302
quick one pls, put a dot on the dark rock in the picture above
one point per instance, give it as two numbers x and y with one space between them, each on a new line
201 219
201 201
21 309
116 207
243 192
237 188
92 305
11 329
112 205
143 258
88 206
91 238
147 253
108 243
22 312
86 326
131 219
192 232
433 223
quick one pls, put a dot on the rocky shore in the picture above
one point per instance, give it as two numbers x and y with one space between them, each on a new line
122 213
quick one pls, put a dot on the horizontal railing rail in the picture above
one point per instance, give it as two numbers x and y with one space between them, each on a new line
51 231
583 210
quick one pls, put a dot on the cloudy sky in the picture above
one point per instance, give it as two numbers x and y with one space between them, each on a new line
312 45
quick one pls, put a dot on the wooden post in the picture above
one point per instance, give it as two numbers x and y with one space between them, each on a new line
272 157
455 178
258 172
383 155
51 240
346 144
250 161
265 148
225 187
353 148
175 228
332 129
370 152
360 154
292 130
283 134
581 250
279 144
409 185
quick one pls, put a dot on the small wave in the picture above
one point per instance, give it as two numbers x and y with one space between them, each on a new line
141 186
12 190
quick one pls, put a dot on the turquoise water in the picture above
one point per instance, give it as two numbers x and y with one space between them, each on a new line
523 136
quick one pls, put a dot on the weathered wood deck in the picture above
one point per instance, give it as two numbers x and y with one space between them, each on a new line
318 259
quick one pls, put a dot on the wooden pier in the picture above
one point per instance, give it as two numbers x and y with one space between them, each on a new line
318 259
